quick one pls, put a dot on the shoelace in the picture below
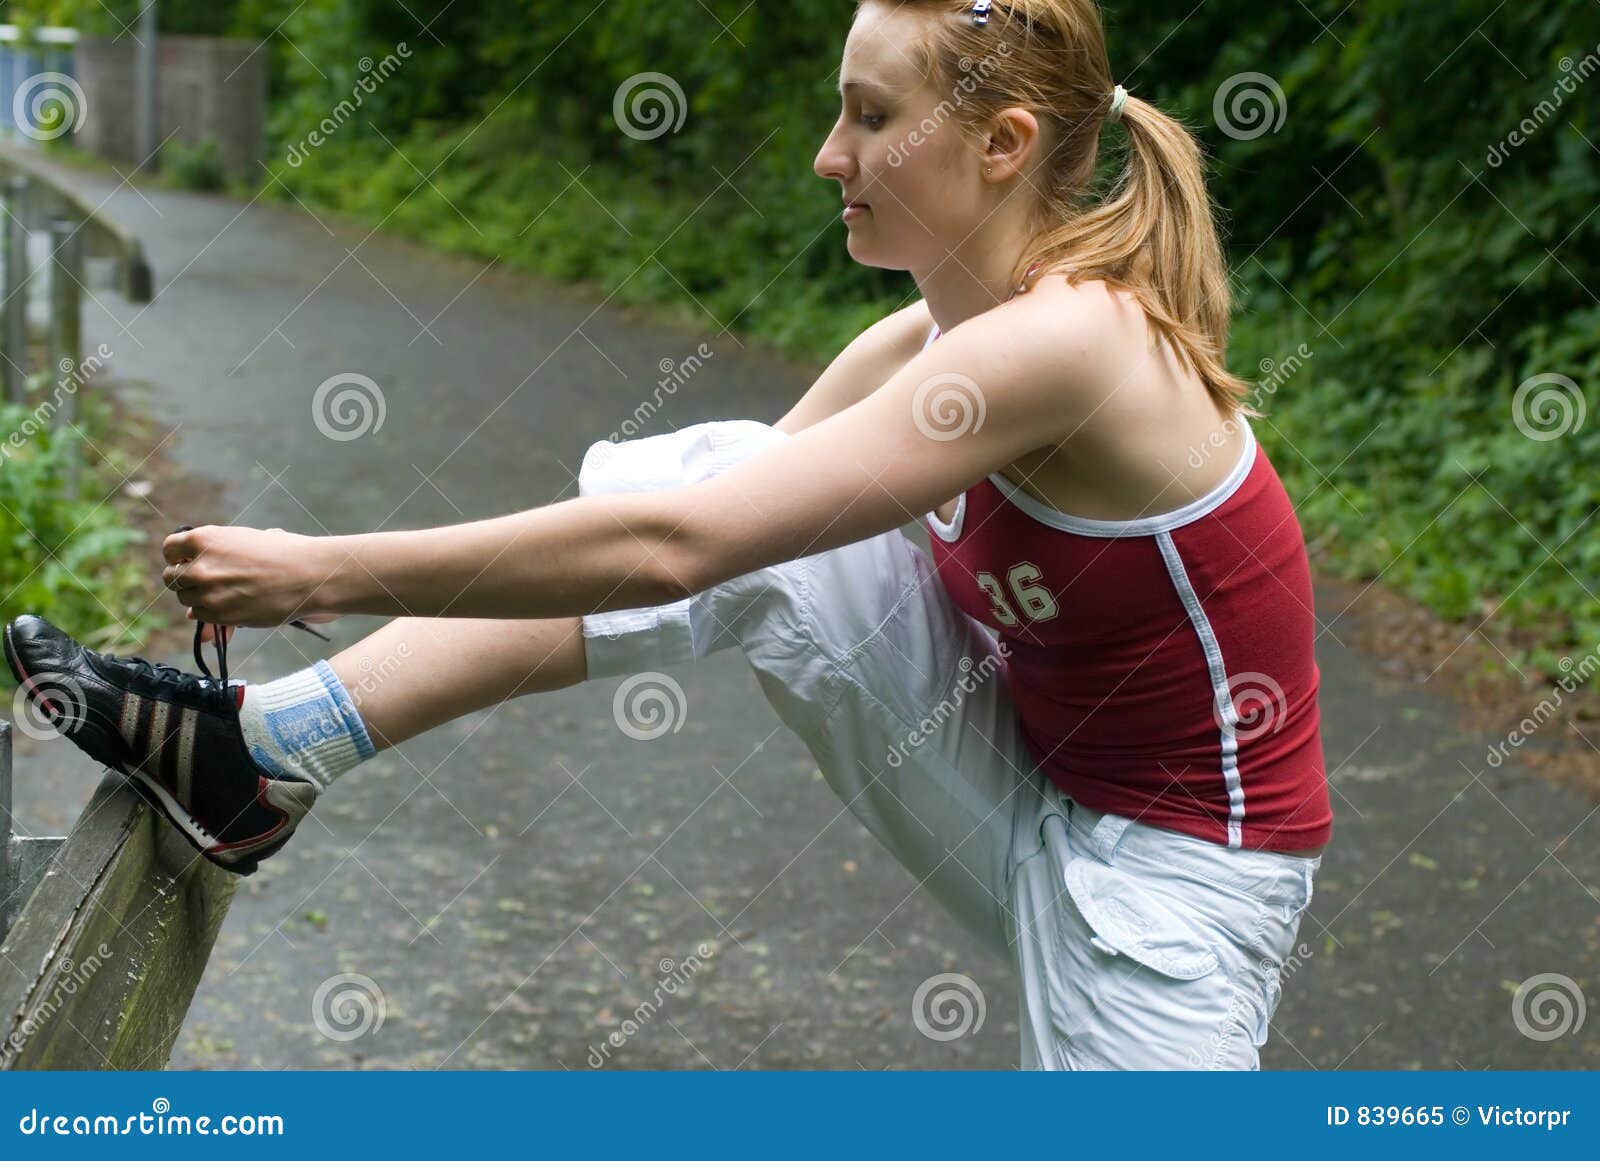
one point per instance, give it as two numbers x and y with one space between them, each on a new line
219 640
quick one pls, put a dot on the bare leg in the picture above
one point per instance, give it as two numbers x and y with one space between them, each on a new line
416 673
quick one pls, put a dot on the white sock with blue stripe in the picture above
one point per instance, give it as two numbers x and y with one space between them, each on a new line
305 726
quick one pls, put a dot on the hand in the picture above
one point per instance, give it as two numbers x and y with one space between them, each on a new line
242 576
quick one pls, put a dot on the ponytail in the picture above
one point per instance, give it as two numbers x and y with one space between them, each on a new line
1154 236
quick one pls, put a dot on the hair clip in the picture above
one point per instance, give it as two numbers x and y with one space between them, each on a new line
980 12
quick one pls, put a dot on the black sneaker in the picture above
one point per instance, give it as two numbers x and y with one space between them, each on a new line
175 736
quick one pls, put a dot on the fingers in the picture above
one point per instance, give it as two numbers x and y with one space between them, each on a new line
176 578
181 546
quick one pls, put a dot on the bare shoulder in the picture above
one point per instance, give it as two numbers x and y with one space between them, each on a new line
1069 343
899 336
871 359
1086 324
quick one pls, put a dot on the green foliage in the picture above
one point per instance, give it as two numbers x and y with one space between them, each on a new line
197 166
66 560
1427 275
1426 282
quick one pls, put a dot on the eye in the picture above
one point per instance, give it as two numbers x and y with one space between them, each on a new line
872 120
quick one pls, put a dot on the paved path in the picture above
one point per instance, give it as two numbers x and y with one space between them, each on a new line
515 882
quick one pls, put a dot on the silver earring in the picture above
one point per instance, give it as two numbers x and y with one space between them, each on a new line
988 169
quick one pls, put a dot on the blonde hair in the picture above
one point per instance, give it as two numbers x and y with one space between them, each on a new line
1153 233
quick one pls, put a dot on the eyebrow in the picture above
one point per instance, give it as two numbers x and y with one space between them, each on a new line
863 85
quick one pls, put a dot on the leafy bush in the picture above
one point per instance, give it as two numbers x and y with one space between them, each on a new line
1430 268
65 560
197 166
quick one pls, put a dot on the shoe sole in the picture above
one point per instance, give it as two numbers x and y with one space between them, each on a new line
153 793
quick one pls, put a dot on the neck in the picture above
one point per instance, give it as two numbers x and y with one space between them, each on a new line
977 276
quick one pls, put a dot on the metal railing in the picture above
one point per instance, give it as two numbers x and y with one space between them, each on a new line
104 934
32 203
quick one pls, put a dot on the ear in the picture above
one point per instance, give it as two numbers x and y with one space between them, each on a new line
1012 141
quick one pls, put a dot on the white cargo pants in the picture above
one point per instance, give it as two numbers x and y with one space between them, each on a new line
1135 947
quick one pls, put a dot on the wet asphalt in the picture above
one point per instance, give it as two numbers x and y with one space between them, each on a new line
506 891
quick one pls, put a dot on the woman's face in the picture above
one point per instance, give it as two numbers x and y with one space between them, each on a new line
898 150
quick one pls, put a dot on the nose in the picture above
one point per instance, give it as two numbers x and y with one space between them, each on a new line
834 161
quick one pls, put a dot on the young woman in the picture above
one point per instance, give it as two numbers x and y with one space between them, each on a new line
1120 787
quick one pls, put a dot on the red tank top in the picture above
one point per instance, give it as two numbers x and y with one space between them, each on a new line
1162 668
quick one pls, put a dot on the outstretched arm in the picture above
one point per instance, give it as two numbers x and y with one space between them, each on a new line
969 404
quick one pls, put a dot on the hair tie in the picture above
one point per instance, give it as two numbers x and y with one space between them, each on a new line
1119 98
980 12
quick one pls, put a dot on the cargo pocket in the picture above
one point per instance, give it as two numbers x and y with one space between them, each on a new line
1129 920
1142 984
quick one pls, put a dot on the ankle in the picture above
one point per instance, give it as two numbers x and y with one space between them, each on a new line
305 725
